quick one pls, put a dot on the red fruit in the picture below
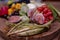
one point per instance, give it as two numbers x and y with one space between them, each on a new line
49 10
50 17
40 9
45 21
45 10
45 15
49 13
4 10
1 13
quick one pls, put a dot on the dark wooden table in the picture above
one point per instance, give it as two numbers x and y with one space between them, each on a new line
57 5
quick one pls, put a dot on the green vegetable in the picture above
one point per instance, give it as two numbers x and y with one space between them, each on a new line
30 32
15 27
22 13
23 26
27 27
25 18
53 11
23 10
56 13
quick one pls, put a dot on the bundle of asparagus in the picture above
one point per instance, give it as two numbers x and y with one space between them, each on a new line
25 29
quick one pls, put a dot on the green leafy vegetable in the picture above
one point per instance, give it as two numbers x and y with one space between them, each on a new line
22 13
53 11
23 10
56 13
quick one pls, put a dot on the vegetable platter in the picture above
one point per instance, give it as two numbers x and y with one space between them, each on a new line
26 18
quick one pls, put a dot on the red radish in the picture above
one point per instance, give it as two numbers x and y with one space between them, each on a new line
45 21
49 10
45 10
50 17
40 9
45 15
42 15
49 13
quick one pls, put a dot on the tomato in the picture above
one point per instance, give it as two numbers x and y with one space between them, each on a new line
40 9
49 10
45 10
45 15
45 21
50 17
49 13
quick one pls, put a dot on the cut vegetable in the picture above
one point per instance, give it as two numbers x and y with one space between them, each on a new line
14 19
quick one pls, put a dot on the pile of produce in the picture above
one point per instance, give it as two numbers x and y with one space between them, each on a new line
28 18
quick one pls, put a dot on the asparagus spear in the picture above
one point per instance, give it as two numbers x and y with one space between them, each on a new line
36 25
30 32
28 26
25 29
15 27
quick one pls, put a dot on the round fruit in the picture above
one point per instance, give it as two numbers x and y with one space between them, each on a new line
45 10
18 6
40 9
10 11
50 17
13 6
4 10
49 13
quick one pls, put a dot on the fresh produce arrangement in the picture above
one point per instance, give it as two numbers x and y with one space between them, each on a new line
28 18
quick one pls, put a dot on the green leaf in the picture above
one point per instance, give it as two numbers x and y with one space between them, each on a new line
53 11
22 13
